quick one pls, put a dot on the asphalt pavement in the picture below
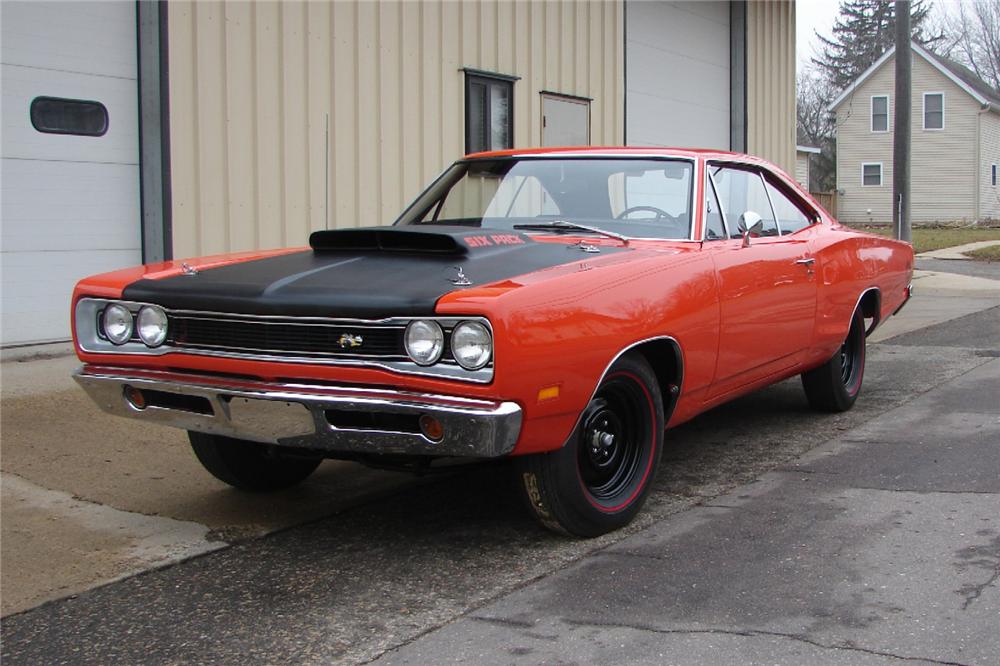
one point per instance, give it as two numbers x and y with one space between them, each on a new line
773 534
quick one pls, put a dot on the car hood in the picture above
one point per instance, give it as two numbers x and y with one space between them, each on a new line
367 273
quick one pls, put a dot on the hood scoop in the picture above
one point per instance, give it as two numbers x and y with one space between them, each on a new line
446 241
438 240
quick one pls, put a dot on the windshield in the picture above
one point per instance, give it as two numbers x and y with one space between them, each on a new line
637 198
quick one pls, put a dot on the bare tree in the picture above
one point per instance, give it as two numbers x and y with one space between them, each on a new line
815 126
972 31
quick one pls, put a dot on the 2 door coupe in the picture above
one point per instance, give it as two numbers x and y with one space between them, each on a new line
562 307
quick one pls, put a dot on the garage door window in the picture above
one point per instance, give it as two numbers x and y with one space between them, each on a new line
56 115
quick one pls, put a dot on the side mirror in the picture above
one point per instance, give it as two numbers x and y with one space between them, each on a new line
750 225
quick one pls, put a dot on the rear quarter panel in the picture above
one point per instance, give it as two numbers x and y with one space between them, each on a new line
849 264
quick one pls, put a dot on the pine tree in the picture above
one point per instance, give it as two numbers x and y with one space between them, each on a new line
864 30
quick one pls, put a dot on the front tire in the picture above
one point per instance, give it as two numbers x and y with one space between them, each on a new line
248 465
600 479
835 385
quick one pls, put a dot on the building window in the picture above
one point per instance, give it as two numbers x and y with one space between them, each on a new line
993 176
871 174
489 112
55 115
565 120
880 113
933 111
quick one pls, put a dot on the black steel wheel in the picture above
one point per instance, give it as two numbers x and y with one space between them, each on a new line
600 479
835 385
248 465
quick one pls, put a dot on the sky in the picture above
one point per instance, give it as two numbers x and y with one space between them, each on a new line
810 16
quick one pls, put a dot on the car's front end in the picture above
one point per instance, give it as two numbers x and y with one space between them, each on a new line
485 323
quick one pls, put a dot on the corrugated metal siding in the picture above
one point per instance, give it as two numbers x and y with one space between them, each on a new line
989 154
942 163
771 81
255 88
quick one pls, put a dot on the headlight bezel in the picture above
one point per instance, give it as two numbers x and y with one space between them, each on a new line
438 341
485 334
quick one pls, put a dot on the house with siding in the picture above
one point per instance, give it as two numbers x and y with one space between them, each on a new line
955 134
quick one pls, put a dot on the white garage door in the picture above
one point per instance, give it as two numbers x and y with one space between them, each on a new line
677 74
70 203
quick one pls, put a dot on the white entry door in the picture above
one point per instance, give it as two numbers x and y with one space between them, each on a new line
70 200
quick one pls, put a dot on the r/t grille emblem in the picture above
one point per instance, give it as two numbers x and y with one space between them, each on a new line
349 341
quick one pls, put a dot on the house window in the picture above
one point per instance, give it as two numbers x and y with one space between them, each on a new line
933 111
993 176
880 113
55 115
489 112
871 174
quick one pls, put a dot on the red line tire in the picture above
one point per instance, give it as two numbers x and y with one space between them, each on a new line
247 465
835 385
600 479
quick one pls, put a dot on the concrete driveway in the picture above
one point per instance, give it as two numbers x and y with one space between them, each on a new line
773 534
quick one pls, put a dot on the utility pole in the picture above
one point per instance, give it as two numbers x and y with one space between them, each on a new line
901 130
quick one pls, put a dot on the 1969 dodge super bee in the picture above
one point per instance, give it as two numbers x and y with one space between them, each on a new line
562 307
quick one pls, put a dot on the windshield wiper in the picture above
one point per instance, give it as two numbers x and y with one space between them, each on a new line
571 226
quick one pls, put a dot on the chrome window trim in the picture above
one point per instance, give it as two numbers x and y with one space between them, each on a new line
89 340
770 202
710 184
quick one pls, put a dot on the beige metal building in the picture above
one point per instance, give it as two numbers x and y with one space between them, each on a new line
955 134
260 122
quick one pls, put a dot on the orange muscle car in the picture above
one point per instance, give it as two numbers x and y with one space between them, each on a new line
562 307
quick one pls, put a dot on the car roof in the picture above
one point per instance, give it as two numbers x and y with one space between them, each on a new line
615 151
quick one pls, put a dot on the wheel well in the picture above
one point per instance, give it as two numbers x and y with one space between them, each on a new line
871 308
664 357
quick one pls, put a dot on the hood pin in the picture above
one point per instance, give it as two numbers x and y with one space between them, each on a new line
460 279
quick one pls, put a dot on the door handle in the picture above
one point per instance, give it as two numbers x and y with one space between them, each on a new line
806 262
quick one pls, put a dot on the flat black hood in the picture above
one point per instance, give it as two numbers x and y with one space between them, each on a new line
360 273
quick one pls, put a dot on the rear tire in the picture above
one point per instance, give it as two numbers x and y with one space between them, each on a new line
248 465
600 479
835 385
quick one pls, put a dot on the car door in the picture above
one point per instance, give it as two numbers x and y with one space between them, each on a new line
767 289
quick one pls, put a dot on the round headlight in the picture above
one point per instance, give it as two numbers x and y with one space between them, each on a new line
117 323
471 345
424 341
152 325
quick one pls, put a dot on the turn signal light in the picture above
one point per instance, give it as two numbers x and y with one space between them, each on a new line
135 397
431 428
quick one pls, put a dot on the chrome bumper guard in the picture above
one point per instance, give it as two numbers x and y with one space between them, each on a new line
326 418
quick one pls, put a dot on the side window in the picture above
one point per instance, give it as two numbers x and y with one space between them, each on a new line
790 216
741 190
714 228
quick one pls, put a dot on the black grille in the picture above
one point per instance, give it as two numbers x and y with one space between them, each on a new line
286 339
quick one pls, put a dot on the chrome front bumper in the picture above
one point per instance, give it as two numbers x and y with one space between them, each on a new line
326 418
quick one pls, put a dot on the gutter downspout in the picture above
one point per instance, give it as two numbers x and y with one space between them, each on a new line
979 160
